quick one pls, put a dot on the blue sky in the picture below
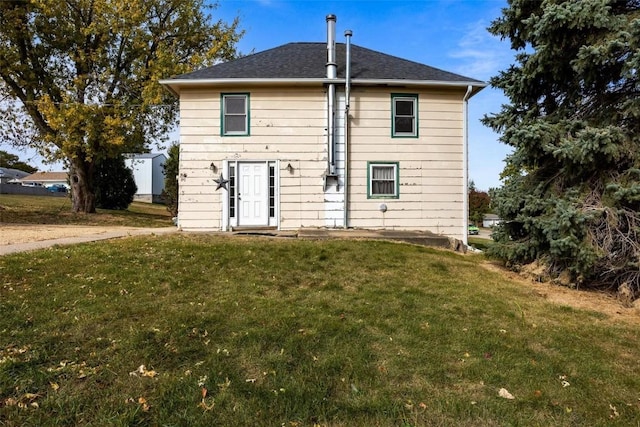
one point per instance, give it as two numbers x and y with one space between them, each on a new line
447 34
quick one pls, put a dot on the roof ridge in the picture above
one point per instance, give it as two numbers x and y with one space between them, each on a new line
307 60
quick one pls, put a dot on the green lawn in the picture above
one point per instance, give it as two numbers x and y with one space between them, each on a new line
481 243
267 332
21 209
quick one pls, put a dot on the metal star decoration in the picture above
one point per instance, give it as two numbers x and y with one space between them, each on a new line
222 183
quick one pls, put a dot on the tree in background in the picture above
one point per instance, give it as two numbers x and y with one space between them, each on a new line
479 204
571 197
170 168
84 74
114 184
11 161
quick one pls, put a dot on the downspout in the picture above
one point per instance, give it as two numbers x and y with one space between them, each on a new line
347 105
332 74
465 166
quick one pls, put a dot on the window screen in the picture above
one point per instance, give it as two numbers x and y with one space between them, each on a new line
404 115
235 112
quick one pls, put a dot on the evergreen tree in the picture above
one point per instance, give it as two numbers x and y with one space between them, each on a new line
114 184
8 160
79 78
571 197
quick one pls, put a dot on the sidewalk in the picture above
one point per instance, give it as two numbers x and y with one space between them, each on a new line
42 244
422 238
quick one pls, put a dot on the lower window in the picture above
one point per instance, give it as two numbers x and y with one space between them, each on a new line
383 180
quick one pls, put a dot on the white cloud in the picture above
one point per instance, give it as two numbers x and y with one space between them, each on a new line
482 54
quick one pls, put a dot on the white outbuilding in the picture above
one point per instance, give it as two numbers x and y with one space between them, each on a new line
148 174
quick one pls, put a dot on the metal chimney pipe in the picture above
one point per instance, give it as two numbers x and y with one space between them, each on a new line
332 73
332 67
347 77
347 106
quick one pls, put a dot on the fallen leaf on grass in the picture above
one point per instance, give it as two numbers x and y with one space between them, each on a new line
202 381
505 394
28 399
614 411
143 403
143 371
10 401
563 381
203 402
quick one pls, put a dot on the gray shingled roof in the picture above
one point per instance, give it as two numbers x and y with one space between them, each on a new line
308 60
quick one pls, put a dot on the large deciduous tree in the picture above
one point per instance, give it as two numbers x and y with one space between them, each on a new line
79 78
571 197
479 204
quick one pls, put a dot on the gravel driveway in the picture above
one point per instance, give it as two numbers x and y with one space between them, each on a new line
24 237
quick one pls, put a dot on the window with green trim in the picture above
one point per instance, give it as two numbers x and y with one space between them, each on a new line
234 114
383 180
404 109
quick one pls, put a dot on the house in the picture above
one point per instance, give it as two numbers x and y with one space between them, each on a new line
11 176
46 179
489 220
323 135
148 173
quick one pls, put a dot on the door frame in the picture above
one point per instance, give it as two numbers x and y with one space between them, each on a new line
229 222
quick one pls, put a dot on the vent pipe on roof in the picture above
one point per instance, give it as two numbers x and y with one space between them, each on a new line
332 67
347 106
347 77
332 73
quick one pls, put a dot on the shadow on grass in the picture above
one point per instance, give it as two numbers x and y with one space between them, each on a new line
20 209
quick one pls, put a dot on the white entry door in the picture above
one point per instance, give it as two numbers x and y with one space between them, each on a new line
253 194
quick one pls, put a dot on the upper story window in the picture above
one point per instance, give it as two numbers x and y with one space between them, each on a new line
235 114
404 110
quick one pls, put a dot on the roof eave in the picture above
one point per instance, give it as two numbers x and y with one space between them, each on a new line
174 85
476 85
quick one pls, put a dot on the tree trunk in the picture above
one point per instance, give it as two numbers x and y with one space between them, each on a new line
82 192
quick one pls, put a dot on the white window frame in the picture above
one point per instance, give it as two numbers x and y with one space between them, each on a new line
396 180
224 114
404 97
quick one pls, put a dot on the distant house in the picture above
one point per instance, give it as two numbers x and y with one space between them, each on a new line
490 220
11 176
148 175
323 135
46 179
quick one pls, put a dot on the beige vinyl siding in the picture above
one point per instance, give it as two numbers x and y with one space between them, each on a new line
286 125
431 175
289 125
